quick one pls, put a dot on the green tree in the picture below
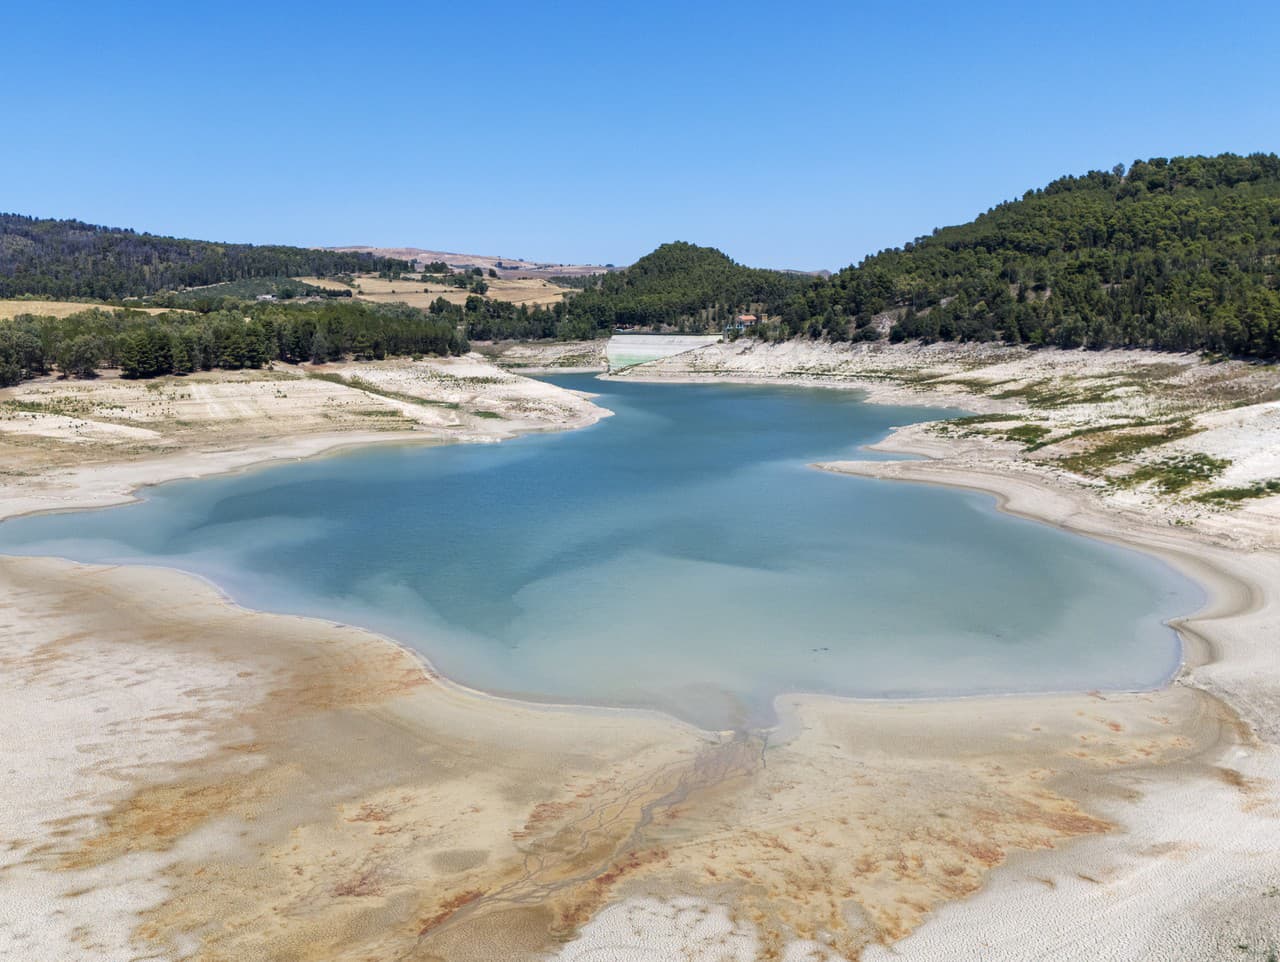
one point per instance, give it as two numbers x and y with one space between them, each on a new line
319 348
80 356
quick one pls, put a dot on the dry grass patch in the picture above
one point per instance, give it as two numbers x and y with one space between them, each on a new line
378 290
10 309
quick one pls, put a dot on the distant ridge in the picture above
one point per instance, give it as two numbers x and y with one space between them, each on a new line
505 266
69 258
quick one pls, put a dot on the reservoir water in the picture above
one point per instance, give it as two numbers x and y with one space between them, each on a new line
681 555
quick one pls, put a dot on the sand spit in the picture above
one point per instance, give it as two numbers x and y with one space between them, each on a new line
70 444
309 791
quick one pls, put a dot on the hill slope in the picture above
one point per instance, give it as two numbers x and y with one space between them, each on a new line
679 285
68 258
1178 254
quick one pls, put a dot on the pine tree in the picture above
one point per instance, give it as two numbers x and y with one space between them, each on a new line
319 348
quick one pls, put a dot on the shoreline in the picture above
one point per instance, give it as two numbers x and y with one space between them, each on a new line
133 476
872 391
1065 507
800 716
323 446
1242 587
1232 592
1213 580
1235 593
1067 511
1016 495
1033 498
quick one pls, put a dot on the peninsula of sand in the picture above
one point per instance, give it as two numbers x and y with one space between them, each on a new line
186 779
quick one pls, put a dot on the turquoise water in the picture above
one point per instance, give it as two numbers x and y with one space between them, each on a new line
680 555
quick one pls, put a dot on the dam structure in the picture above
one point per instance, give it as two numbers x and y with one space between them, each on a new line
628 350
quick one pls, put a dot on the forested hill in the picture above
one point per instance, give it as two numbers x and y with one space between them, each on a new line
1179 254
68 258
681 286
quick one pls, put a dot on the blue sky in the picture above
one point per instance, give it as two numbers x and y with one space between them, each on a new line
789 135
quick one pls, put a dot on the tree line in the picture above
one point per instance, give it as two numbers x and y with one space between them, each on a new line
1175 254
143 346
71 259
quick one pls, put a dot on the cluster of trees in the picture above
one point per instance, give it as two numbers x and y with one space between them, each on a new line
679 286
1179 254
576 281
219 297
1176 254
68 258
489 320
472 280
22 352
333 330
142 345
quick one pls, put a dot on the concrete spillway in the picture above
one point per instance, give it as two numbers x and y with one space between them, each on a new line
624 350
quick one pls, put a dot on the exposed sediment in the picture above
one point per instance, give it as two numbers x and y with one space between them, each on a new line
200 781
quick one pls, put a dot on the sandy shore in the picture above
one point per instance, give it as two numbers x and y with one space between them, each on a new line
191 780
1193 871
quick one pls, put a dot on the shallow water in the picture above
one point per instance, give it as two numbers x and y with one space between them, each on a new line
680 555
